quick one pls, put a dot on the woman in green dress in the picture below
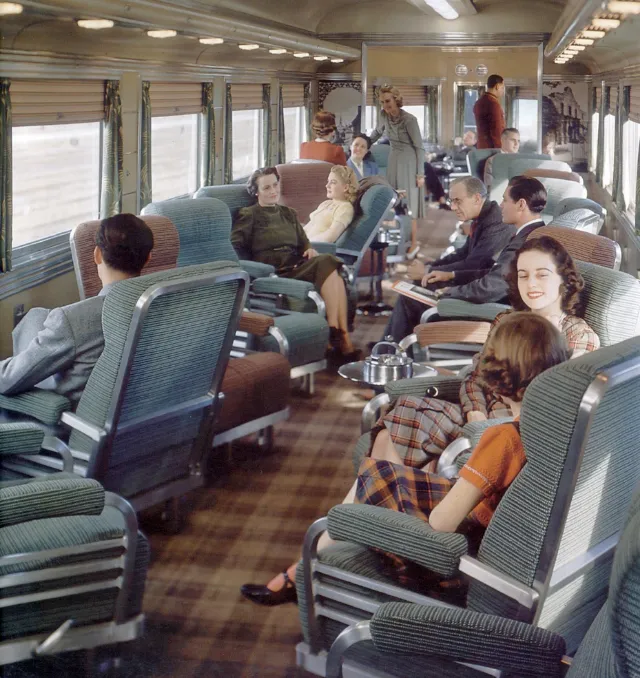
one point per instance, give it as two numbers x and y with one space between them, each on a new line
272 234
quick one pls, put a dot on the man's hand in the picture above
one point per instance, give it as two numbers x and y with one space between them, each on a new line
476 416
416 270
442 291
310 253
437 276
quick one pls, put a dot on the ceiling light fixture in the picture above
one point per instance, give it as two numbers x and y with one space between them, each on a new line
320 58
593 34
278 50
444 9
605 23
583 41
624 7
10 8
300 55
560 60
211 41
166 33
337 61
577 48
570 52
95 24
249 48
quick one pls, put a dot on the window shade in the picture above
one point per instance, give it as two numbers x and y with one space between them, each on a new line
413 95
55 102
613 100
175 98
292 95
245 97
634 108
597 100
527 92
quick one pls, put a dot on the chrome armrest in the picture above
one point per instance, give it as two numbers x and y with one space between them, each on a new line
447 460
73 421
373 410
52 444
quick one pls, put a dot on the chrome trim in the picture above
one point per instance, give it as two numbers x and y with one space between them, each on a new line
281 339
62 552
319 302
57 593
48 645
308 369
408 341
76 263
540 84
349 637
575 17
364 86
309 558
372 411
442 39
52 573
446 461
201 403
508 586
250 427
72 420
424 318
52 444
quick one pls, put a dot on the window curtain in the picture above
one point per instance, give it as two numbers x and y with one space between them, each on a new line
431 131
308 111
5 176
282 147
377 104
228 132
604 107
459 131
208 147
622 115
145 146
112 153
266 124
510 96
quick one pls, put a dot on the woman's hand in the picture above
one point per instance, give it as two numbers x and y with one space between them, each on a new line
476 416
310 253
420 180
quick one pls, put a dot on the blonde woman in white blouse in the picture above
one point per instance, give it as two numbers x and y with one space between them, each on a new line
329 221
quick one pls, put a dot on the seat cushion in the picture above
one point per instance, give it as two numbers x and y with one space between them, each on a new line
253 387
307 335
595 657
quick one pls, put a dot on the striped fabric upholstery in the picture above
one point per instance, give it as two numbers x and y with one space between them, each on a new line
45 406
553 174
507 165
608 476
569 204
83 242
20 438
203 226
303 186
594 249
452 330
164 372
580 219
306 335
234 196
558 190
380 153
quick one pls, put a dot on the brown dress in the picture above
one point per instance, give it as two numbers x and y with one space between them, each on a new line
275 236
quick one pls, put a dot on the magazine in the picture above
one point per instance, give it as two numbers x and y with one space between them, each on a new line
408 289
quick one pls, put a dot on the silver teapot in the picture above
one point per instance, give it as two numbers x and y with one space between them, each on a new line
381 368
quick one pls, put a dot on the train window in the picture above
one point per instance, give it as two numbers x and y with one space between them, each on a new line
370 119
420 113
630 148
526 119
56 179
294 131
174 155
246 142
470 98
609 152
595 124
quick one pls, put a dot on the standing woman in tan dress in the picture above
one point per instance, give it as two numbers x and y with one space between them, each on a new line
405 170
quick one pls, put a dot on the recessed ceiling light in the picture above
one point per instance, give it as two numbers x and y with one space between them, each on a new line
593 34
278 50
605 23
211 41
10 8
300 55
561 61
583 41
578 48
320 58
444 9
95 24
337 61
249 48
166 33
624 7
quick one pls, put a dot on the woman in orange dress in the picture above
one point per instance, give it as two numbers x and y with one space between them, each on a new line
322 148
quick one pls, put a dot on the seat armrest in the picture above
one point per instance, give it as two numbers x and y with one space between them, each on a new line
325 247
456 308
257 270
445 387
50 498
452 331
20 438
45 406
293 288
473 430
398 533
257 324
464 636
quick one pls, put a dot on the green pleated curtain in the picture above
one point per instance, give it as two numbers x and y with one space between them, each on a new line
5 176
622 114
604 107
510 96
228 133
145 146
282 145
459 113
376 103
432 114
308 111
266 124
112 153
208 145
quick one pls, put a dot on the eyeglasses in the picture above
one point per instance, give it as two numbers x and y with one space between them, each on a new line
456 202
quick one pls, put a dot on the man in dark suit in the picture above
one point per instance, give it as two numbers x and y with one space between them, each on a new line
489 115
488 236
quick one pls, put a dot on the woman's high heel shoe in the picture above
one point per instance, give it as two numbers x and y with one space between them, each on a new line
263 595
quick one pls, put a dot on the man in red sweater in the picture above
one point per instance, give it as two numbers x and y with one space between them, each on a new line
489 115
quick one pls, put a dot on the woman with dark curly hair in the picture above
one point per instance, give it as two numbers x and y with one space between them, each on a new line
521 347
543 279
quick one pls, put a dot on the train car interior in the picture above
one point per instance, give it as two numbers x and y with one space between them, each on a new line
320 338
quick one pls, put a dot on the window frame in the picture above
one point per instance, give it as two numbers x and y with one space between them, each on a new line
300 124
608 152
260 134
633 153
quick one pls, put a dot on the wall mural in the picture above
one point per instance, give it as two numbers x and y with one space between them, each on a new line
344 100
564 121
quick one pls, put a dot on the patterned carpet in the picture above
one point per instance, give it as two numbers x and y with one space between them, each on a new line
247 526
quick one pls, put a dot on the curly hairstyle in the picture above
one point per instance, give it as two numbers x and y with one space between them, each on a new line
522 346
348 177
367 141
252 182
572 284
323 124
394 91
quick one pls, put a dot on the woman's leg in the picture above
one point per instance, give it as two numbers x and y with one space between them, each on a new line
384 449
335 297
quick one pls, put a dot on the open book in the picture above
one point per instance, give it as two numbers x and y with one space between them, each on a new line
427 297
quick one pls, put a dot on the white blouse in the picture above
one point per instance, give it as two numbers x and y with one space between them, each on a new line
329 221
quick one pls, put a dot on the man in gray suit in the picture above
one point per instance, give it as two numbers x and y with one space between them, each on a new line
56 350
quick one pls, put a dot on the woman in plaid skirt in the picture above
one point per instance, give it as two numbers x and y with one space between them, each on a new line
522 346
544 280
